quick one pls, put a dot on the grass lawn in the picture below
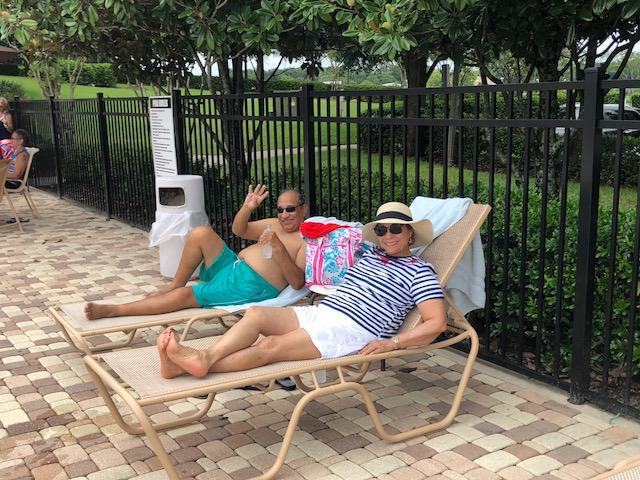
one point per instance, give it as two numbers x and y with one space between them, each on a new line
32 89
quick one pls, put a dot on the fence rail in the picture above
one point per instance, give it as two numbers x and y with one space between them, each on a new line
561 244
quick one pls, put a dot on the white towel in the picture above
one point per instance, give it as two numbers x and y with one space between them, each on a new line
466 284
287 297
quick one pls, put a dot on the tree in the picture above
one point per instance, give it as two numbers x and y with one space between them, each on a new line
407 31
40 30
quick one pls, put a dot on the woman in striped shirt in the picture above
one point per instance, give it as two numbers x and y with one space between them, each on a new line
362 316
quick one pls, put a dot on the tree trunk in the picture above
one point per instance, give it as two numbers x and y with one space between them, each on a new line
415 68
453 113
260 72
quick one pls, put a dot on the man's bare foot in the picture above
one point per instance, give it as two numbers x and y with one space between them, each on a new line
94 311
168 369
188 359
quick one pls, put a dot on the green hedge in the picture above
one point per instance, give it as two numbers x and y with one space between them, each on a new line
539 295
9 89
96 74
282 85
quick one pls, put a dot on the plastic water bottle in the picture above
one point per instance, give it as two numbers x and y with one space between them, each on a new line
266 248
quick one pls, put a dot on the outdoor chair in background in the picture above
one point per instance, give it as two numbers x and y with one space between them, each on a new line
129 379
6 199
23 188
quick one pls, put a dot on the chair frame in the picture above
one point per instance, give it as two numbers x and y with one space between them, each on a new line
81 333
143 386
626 469
4 171
23 188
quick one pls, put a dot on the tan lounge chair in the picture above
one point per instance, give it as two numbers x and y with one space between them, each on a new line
84 335
23 188
132 377
5 198
628 469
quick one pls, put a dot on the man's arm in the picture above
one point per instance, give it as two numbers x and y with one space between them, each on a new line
242 227
293 270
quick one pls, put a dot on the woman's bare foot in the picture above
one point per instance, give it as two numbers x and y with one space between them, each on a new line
168 369
94 311
190 360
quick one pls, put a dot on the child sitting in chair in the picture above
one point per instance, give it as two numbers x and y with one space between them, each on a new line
18 157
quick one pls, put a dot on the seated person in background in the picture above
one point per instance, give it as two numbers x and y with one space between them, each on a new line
18 159
362 316
228 278
6 120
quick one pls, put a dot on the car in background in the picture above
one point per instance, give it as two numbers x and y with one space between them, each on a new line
609 112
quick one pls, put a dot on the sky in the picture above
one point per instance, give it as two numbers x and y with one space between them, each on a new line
270 63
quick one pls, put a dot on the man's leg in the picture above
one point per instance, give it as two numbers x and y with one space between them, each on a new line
203 244
235 350
172 301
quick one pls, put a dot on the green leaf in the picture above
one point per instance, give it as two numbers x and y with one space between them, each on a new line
630 8
21 36
28 23
585 14
599 7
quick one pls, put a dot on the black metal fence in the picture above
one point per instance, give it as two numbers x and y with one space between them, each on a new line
562 242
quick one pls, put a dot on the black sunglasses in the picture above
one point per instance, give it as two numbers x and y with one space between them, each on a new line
289 209
394 228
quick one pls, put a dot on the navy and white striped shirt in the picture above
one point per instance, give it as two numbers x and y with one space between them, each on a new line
378 292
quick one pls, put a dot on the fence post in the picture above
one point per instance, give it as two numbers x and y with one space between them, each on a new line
587 234
178 127
306 114
16 112
56 144
104 154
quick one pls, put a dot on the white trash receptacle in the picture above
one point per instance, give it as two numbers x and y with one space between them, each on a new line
179 208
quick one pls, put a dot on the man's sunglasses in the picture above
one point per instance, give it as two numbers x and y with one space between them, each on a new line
289 209
394 228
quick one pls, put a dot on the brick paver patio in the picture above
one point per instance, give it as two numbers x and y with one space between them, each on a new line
54 425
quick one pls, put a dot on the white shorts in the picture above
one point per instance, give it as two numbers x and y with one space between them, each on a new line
332 332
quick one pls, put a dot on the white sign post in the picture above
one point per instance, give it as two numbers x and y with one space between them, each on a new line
163 136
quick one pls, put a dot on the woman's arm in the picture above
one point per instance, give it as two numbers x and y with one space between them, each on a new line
434 323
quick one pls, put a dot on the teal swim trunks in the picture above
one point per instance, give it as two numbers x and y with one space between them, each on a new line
230 281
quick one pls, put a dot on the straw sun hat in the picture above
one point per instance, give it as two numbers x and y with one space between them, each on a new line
396 212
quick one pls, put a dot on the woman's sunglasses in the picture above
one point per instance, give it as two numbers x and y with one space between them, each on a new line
394 228
289 209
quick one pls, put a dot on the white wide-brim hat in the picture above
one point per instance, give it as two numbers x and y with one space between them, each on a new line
396 212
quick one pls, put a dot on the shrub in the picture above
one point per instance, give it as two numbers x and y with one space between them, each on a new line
9 89
98 74
103 75
545 312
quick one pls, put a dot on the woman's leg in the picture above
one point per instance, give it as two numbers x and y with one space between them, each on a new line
171 301
234 351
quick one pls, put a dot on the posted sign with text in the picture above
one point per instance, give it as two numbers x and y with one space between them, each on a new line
162 136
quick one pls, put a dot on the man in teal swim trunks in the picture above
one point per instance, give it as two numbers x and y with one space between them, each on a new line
227 278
